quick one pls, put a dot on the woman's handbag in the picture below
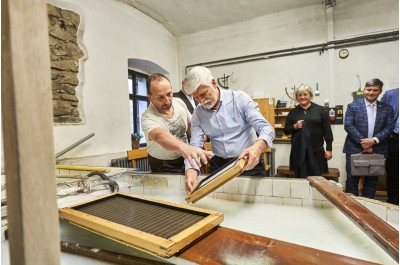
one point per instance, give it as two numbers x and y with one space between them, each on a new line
368 165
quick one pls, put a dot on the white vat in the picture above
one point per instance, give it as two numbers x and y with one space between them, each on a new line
283 209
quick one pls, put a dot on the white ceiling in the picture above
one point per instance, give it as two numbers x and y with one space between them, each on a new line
182 17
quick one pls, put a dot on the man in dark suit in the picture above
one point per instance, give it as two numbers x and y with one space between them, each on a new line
188 99
368 123
391 97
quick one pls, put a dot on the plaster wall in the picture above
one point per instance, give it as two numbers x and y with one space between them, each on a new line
336 78
112 33
132 35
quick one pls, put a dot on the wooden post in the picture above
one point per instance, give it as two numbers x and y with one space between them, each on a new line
28 133
381 232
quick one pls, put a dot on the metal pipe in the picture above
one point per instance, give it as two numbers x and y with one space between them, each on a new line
74 145
337 44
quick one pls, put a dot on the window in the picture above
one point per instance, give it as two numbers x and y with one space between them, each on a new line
138 101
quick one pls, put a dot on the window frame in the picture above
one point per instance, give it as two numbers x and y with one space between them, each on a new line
135 98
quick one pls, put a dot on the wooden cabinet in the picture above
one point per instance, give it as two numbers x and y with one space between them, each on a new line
280 119
266 106
275 116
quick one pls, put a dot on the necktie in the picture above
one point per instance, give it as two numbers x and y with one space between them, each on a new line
371 120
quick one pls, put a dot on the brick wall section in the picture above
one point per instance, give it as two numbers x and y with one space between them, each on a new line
64 60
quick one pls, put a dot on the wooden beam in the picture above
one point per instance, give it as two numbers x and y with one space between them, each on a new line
229 246
114 257
28 133
381 232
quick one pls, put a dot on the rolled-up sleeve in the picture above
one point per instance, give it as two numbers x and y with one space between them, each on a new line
253 115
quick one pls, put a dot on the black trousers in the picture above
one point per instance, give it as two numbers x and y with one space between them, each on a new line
167 166
392 170
217 162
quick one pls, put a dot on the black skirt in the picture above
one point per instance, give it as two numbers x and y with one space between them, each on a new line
319 157
321 160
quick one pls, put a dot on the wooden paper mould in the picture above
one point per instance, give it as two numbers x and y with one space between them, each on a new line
215 180
157 226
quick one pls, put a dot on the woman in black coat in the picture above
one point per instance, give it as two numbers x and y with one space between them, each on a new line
317 120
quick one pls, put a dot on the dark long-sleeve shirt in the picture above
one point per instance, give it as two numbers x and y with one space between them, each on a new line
318 124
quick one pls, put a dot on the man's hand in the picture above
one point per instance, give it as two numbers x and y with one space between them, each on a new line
253 154
367 143
191 180
368 150
195 153
169 142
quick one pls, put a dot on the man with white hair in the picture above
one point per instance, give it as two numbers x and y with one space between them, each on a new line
231 120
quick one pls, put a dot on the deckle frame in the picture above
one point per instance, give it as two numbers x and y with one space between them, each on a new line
165 247
218 181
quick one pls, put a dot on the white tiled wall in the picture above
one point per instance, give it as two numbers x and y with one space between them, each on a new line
299 189
281 188
264 187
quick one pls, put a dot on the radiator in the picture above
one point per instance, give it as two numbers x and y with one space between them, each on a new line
121 162
141 163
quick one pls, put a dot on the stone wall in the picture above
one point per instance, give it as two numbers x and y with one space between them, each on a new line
64 60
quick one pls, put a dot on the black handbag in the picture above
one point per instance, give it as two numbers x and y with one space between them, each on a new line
368 165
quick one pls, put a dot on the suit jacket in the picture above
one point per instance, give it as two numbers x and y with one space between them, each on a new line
391 97
356 126
182 96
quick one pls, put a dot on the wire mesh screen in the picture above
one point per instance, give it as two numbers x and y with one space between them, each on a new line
151 217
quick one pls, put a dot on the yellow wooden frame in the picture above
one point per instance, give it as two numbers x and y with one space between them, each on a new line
214 184
158 245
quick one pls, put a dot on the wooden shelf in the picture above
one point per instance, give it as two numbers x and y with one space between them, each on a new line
283 139
281 120
285 108
274 116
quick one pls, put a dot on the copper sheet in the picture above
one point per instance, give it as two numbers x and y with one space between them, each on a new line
381 232
229 246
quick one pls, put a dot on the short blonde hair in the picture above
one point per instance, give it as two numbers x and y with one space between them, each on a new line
304 88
